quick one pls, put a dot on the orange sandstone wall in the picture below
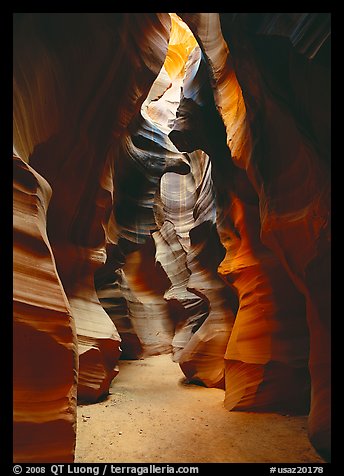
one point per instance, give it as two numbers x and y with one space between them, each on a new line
79 79
270 74
45 363
189 216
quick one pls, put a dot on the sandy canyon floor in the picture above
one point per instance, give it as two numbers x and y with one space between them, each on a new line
153 416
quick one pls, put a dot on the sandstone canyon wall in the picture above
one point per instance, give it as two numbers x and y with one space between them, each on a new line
267 82
44 337
180 190
95 70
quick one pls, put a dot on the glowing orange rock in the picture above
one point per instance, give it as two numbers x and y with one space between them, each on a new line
124 172
69 116
276 86
267 352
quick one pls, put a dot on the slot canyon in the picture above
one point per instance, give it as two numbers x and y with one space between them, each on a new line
171 244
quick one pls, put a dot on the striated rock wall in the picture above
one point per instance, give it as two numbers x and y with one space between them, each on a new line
267 353
269 329
267 79
294 192
95 70
197 294
145 154
190 214
45 363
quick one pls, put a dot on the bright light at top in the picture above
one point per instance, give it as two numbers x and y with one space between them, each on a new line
181 44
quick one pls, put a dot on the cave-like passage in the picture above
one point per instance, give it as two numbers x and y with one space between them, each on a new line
165 292
199 220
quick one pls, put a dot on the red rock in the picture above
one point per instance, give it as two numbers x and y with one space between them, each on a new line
45 350
259 90
71 139
201 214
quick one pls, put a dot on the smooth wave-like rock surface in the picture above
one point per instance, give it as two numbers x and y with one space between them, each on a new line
88 68
270 330
78 157
249 267
172 195
44 339
282 142
205 314
294 193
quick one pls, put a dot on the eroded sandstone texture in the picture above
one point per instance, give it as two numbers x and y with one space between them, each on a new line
95 70
180 189
267 87
45 358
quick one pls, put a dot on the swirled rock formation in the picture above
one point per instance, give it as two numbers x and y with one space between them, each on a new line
282 142
295 193
111 294
256 341
172 195
205 314
145 155
45 356
72 142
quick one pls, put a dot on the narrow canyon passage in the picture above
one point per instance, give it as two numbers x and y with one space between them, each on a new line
153 415
172 237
